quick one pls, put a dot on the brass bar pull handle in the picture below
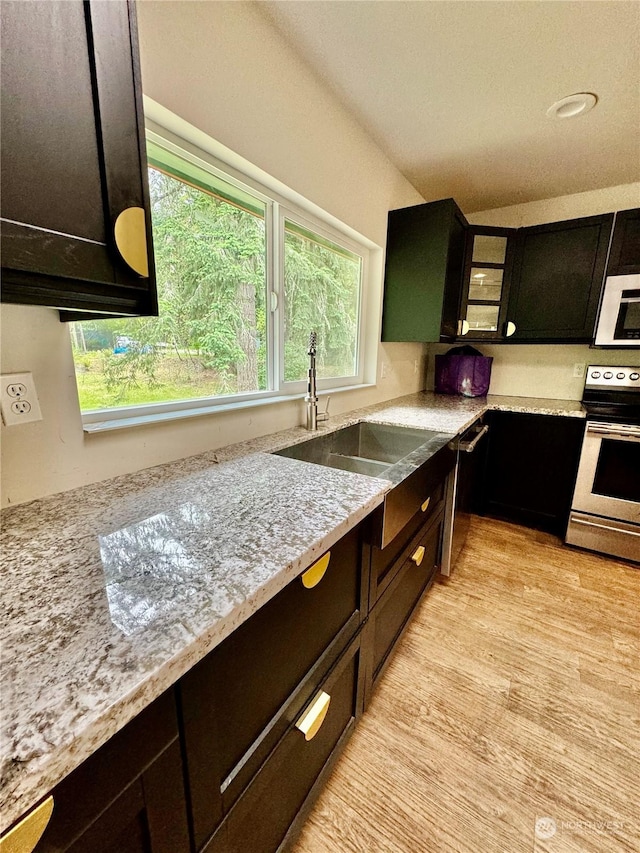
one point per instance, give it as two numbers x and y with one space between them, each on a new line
24 836
130 234
425 506
310 722
316 572
418 555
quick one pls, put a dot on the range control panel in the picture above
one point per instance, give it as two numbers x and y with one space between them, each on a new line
607 376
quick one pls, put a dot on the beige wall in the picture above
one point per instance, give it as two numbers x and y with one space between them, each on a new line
539 371
563 207
547 371
223 68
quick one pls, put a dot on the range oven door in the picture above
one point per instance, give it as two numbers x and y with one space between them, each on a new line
605 513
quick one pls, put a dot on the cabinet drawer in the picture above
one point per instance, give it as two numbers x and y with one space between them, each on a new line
386 562
405 500
128 796
231 701
262 816
393 610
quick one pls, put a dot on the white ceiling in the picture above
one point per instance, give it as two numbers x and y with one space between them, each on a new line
456 92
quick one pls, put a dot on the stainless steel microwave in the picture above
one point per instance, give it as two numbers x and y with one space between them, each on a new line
619 320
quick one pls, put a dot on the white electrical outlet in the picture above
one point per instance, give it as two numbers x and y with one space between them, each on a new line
578 370
383 370
416 367
18 399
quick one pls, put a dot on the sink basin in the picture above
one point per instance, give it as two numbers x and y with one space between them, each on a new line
364 448
414 461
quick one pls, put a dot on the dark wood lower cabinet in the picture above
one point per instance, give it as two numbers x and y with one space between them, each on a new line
129 796
530 468
414 572
385 562
250 772
264 815
223 762
236 702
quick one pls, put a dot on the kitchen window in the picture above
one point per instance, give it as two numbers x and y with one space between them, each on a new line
243 277
321 288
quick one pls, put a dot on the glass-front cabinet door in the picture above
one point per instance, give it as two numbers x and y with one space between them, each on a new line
487 270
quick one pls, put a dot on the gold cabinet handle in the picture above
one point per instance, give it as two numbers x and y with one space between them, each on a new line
463 328
130 234
25 835
510 329
310 722
425 506
316 572
418 555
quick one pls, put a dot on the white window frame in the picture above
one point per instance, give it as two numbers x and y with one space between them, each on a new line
280 203
356 378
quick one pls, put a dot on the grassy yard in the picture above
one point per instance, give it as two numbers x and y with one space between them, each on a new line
176 380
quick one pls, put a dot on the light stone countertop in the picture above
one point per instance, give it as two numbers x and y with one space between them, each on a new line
113 591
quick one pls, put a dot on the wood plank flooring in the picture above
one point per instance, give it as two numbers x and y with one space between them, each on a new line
513 697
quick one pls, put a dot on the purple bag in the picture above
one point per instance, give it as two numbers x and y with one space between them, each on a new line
463 370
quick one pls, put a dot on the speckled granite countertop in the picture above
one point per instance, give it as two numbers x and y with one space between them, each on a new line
113 591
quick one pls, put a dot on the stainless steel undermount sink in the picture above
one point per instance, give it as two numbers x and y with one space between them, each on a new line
363 448
412 460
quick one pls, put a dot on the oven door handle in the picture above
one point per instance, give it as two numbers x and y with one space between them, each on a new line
470 446
603 526
613 431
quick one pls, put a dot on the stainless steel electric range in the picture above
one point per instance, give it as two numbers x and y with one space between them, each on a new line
605 511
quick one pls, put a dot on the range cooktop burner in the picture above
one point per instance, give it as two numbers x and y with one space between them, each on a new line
612 392
613 378
614 386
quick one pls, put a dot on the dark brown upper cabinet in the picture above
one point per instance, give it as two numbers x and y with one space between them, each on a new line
76 226
557 277
423 274
485 283
624 257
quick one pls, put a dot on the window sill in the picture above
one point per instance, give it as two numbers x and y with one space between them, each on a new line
116 423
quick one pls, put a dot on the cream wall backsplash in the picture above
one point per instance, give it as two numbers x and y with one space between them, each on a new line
263 103
525 370
54 454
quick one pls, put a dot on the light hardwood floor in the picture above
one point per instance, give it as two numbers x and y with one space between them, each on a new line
513 696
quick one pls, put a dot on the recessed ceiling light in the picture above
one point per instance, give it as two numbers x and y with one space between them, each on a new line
480 275
573 105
